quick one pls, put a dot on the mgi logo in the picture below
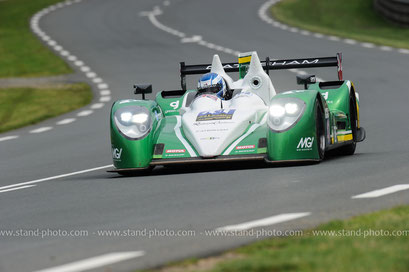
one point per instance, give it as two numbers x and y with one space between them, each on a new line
116 154
305 144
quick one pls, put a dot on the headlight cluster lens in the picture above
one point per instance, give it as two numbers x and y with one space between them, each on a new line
284 113
133 122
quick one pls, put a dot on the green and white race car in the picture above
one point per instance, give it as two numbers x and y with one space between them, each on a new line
253 122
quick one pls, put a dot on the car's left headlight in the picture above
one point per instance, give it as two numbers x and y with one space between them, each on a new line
134 122
284 113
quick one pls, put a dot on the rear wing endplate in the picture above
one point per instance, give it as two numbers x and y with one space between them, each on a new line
267 66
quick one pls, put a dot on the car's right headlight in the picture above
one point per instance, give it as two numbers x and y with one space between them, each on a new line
284 113
133 122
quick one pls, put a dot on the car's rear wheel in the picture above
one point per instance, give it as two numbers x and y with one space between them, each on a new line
320 129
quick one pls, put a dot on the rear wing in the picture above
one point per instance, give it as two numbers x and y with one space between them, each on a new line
267 66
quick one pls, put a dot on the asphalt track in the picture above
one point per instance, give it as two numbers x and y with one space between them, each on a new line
124 48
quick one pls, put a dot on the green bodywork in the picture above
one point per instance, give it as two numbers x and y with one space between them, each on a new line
128 153
297 143
285 145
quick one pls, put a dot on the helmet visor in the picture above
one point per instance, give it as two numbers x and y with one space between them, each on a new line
211 88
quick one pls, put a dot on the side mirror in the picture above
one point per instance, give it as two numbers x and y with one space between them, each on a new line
305 80
143 89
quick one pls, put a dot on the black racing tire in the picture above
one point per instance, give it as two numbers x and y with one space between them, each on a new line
320 129
349 149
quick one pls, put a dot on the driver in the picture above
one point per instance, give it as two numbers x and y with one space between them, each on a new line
214 84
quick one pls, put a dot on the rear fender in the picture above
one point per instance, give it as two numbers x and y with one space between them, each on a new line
355 94
337 94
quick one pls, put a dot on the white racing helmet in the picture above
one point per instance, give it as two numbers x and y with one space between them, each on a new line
212 83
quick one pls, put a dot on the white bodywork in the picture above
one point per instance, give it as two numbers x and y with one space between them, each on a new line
212 124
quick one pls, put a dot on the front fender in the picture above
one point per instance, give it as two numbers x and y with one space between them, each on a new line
300 141
129 153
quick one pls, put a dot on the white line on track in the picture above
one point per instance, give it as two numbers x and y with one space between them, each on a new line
199 40
9 138
305 32
152 17
105 92
17 188
66 121
84 113
41 129
105 99
334 38
403 51
55 177
91 74
386 48
384 191
85 69
79 63
193 39
268 221
102 86
65 53
98 82
318 35
368 45
263 14
97 106
95 262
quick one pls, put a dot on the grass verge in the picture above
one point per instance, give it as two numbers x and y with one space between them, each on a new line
344 18
335 246
26 106
22 54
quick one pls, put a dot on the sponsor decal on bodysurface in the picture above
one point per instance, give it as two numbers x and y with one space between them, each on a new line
208 123
305 144
116 154
211 130
294 62
215 115
174 104
236 65
209 138
275 63
245 147
175 151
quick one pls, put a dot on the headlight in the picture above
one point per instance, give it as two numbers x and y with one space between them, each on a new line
134 122
284 113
